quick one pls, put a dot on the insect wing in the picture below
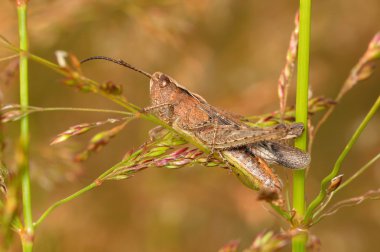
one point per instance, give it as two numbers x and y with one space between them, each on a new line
281 154
227 137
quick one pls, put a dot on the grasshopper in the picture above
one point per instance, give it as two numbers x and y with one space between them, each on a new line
247 149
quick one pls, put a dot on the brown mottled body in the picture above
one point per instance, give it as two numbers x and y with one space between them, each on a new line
176 105
240 144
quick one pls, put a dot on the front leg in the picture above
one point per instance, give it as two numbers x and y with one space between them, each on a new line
214 136
165 111
215 131
156 133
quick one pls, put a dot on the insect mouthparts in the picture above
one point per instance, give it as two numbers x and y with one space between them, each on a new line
119 62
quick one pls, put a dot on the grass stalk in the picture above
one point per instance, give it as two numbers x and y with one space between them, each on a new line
317 215
358 173
63 201
27 237
299 241
326 181
97 182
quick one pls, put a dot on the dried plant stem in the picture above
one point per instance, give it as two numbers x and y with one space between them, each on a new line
9 57
326 181
370 195
288 70
299 241
28 232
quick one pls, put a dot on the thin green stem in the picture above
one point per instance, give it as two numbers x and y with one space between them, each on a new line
362 169
282 212
27 238
299 241
319 210
41 109
326 181
63 201
358 173
40 60
84 110
110 170
94 184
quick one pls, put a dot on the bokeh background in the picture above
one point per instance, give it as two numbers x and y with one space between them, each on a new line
230 52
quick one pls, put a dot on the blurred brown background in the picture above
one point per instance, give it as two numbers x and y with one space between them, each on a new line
230 52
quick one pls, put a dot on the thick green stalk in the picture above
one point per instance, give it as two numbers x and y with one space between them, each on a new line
299 242
27 236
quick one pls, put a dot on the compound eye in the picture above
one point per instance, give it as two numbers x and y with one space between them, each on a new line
164 81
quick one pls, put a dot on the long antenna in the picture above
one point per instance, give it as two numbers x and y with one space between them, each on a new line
119 62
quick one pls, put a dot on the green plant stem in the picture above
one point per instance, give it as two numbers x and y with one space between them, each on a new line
27 237
299 241
326 181
358 173
318 211
94 184
33 109
83 110
40 60
281 212
63 201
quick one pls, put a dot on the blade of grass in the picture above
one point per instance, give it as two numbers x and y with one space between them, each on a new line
27 237
299 241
